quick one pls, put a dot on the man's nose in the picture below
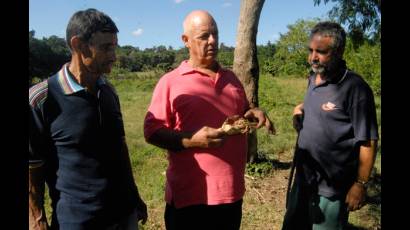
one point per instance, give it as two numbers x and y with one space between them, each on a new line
213 38
314 58
314 55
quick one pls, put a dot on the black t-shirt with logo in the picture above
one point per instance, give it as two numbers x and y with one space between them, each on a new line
339 114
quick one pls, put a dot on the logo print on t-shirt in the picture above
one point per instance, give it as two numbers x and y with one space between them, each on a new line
328 106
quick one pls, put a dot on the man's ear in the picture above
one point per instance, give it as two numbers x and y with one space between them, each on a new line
339 52
76 44
185 40
80 47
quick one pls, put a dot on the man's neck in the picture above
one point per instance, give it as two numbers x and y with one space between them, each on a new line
83 76
209 69
320 78
331 77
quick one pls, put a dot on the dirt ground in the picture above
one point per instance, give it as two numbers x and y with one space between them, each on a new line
265 198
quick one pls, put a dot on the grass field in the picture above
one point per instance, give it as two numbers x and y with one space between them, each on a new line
266 182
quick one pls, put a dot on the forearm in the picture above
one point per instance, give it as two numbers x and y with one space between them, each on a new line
357 192
37 217
171 140
366 160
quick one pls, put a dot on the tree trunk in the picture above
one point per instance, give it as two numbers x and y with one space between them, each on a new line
245 59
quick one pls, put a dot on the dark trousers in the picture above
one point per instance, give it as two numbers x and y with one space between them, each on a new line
209 217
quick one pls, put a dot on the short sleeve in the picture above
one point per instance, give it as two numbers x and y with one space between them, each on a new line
363 115
37 141
38 135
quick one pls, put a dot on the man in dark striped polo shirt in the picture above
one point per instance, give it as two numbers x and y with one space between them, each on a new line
77 141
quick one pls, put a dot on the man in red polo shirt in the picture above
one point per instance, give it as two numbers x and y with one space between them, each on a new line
205 176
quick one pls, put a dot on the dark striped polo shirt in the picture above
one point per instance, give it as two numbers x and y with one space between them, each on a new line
78 137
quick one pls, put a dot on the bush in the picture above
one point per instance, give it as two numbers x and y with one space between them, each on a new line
365 60
259 169
291 53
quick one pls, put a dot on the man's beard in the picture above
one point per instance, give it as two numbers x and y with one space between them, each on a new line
325 68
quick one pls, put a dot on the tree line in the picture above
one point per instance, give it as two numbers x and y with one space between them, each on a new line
286 57
47 55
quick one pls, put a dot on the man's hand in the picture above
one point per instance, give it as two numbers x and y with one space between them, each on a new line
142 211
355 197
236 124
298 110
206 137
262 118
298 117
36 212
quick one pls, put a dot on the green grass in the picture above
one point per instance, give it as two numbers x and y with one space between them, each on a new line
278 97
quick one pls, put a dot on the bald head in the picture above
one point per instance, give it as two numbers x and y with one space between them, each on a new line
197 18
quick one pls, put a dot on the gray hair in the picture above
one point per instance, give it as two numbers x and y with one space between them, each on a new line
87 22
334 30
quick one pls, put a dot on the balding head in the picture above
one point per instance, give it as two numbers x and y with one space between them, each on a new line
197 18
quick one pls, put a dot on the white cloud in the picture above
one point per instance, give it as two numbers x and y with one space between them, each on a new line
116 19
226 4
137 32
178 1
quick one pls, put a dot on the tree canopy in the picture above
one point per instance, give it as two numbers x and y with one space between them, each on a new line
285 57
46 56
291 53
363 17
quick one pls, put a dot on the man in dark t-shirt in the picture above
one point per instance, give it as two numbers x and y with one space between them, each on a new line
77 140
337 139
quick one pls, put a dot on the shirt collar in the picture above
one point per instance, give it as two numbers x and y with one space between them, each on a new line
69 85
185 68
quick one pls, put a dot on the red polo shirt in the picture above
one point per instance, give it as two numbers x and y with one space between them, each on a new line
186 100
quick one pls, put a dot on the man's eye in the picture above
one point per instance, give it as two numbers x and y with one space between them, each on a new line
204 36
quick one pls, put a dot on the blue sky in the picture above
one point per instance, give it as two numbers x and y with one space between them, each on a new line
148 23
